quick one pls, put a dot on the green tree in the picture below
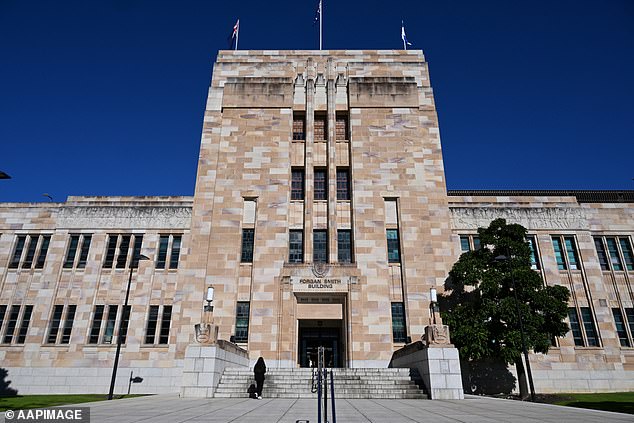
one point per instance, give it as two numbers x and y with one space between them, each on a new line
479 304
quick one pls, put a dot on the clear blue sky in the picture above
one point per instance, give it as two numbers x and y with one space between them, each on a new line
107 97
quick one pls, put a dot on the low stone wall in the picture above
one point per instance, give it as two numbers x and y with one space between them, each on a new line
204 364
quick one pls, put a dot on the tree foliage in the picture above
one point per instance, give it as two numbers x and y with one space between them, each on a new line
479 304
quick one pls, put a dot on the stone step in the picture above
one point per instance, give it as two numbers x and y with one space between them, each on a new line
418 395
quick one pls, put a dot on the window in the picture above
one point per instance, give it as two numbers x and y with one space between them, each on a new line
620 327
344 246
297 184
532 244
247 245
95 328
626 248
343 184
398 322
79 243
169 246
476 243
296 246
560 252
125 320
464 243
153 324
13 318
341 128
575 327
321 187
119 253
393 248
34 255
590 328
242 321
56 323
571 249
603 257
320 246
298 128
618 254
629 314
111 320
320 128
3 311
614 254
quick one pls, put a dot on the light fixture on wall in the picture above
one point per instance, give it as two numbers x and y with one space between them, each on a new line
433 300
209 297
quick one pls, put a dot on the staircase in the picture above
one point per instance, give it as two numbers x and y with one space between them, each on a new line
296 383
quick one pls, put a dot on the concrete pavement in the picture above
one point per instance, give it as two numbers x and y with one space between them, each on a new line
170 408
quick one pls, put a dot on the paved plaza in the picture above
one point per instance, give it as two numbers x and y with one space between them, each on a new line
171 409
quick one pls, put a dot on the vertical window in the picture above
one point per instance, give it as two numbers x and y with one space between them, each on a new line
297 184
71 253
298 128
532 244
41 257
620 327
124 246
320 128
136 251
17 253
242 321
166 249
11 324
162 252
393 247
320 246
95 328
176 251
83 253
614 254
321 187
626 248
56 320
68 324
30 252
81 243
111 320
476 243
247 245
341 128
3 311
122 253
398 322
559 256
343 184
164 334
296 246
344 246
590 328
603 257
571 249
152 321
575 327
110 250
24 326
125 320
464 243
629 314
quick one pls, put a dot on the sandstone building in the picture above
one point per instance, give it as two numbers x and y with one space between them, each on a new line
320 217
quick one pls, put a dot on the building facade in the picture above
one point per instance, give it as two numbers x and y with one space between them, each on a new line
321 218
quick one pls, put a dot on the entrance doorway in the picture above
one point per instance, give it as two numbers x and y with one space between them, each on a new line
320 333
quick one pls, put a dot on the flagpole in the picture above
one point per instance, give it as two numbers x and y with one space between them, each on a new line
237 34
321 21
402 32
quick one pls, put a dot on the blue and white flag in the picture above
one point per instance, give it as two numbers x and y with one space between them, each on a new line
404 37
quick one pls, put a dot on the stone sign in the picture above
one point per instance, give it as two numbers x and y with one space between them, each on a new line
327 284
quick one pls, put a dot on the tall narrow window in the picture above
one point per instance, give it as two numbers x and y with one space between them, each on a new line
166 318
95 328
476 242
110 324
68 324
121 257
124 246
590 328
398 322
321 187
56 320
614 254
24 325
17 253
298 128
532 244
464 243
162 252
11 324
168 252
72 252
152 321
571 249
176 251
296 246
629 314
320 128
344 246
626 248
83 252
76 243
136 251
247 245
393 247
41 257
603 257
110 250
320 246
242 321
125 321
297 184
559 256
343 184
30 252
575 327
620 327
3 311
341 128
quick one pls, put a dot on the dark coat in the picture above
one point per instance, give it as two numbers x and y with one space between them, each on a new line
259 369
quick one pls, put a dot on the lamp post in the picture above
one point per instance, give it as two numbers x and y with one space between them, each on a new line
133 264
507 258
